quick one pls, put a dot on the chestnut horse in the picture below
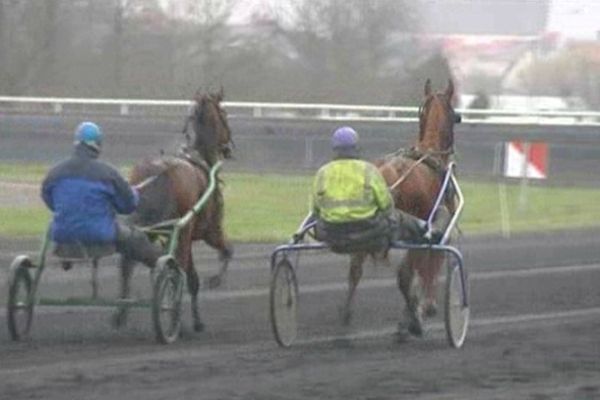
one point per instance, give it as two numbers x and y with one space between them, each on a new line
415 178
170 186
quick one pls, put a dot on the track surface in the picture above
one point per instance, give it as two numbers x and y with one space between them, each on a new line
534 333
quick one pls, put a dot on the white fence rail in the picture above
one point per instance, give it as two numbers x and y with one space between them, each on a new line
297 111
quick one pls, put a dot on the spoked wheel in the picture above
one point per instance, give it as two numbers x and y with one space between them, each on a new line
166 302
20 301
284 303
456 314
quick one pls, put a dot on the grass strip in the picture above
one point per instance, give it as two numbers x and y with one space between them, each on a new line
269 207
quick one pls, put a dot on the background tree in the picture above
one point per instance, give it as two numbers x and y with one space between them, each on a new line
342 45
331 50
203 42
409 91
29 43
574 71
3 47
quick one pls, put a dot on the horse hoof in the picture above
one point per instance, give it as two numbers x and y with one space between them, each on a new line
431 310
415 330
198 326
345 316
415 327
213 282
413 323
119 319
402 333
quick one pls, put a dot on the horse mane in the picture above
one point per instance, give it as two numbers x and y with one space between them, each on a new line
209 122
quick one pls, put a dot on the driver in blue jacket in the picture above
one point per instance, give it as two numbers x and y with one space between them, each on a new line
85 195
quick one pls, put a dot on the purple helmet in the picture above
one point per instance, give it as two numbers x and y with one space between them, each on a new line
344 137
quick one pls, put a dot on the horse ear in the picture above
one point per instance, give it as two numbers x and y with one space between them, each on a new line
450 90
428 87
221 93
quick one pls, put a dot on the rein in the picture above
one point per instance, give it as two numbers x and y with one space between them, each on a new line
420 160
150 179
146 182
408 172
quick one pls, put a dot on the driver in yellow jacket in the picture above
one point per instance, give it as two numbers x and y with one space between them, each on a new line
352 203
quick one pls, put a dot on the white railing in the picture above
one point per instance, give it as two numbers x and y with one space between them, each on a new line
300 111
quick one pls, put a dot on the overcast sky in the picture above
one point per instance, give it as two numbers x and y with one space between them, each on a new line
575 18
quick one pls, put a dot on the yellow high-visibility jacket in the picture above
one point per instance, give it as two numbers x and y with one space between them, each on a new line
349 190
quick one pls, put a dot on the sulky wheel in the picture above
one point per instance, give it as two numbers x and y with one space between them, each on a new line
284 303
166 301
456 313
20 299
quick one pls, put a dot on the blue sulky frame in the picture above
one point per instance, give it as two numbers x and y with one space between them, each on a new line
449 185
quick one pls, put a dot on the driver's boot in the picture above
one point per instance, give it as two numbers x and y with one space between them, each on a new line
439 224
136 245
409 227
144 250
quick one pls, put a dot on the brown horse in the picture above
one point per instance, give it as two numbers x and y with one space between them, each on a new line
415 178
170 186
209 121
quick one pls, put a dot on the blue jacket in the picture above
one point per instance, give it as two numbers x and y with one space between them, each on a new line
84 195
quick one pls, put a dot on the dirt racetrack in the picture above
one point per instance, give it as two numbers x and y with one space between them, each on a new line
534 335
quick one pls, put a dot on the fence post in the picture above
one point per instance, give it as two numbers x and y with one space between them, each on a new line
502 195
308 152
524 177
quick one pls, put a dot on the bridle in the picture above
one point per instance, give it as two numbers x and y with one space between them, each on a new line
448 149
199 114
226 146
451 119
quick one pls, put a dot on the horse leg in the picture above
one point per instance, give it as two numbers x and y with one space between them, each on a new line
120 316
354 275
409 286
429 272
194 287
225 249
186 259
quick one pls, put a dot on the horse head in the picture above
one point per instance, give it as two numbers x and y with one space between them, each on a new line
436 122
212 134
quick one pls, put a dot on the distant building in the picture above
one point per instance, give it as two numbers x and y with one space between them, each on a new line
487 42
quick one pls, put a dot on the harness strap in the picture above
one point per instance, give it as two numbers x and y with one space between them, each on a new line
408 172
146 182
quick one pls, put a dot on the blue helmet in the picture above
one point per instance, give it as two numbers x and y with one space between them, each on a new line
90 134
344 138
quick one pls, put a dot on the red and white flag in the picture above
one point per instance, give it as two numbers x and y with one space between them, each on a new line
534 164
